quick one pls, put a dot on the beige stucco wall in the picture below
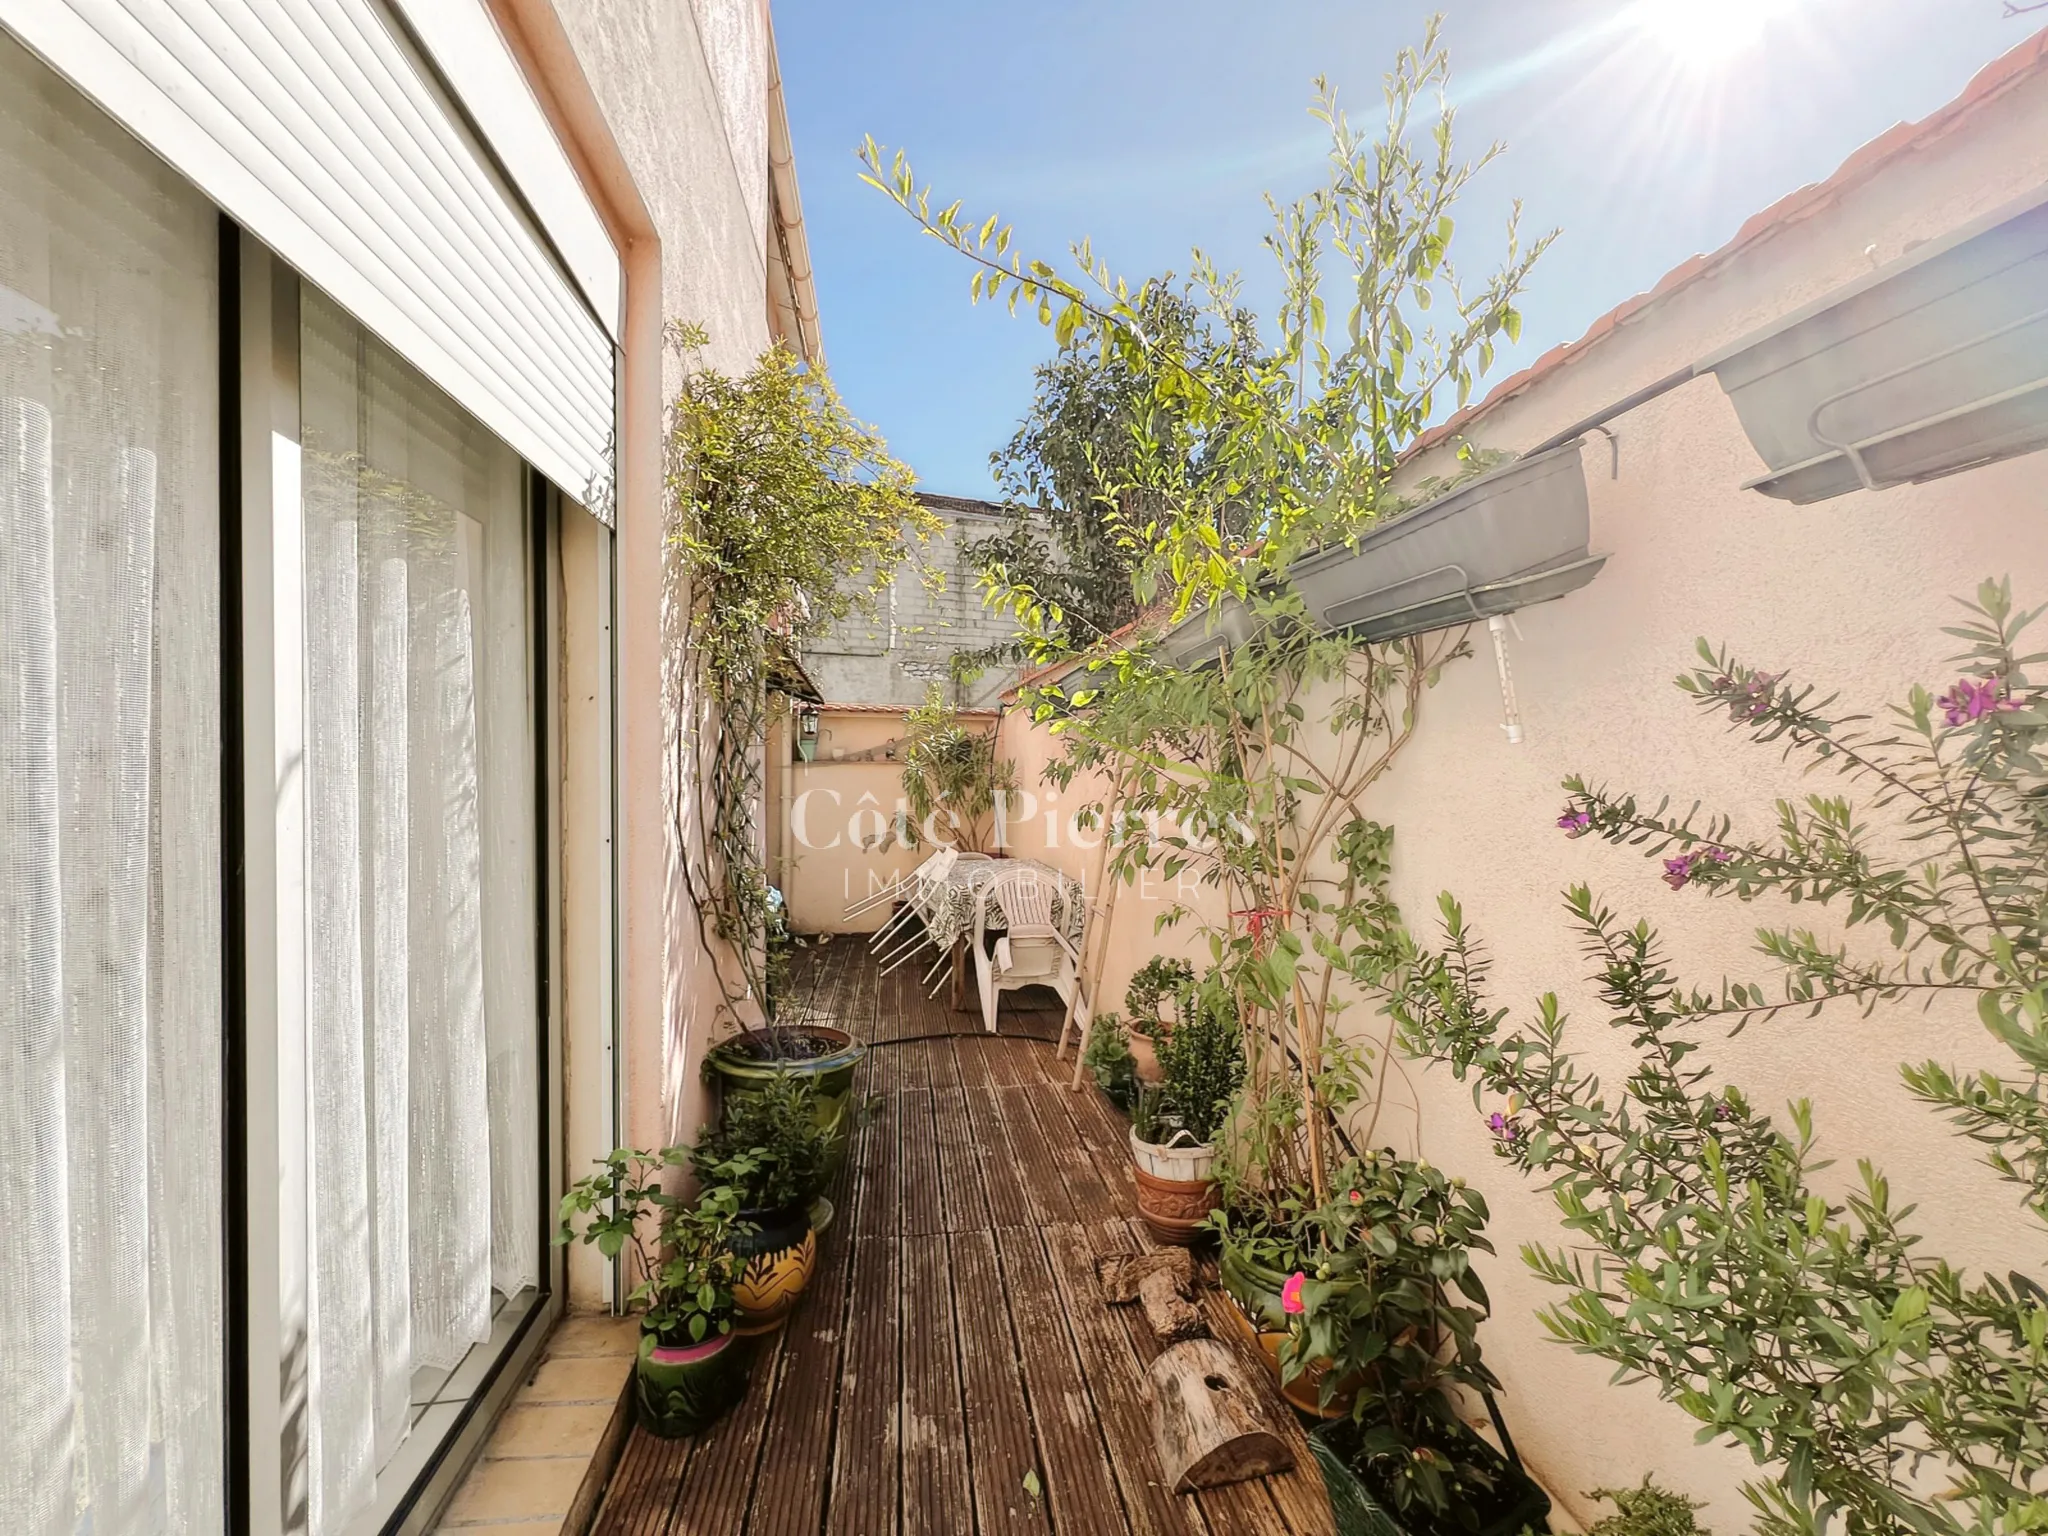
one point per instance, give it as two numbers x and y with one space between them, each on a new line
1849 594
682 87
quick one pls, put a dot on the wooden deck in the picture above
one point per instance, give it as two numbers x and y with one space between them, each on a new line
951 1355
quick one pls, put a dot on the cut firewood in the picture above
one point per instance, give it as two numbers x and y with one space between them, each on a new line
1121 1274
1171 1316
1209 1419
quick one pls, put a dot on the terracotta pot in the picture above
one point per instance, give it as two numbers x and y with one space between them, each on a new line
1176 1188
682 1390
1145 1059
779 1255
1254 1290
830 1074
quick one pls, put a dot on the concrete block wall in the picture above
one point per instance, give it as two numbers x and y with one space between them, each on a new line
894 655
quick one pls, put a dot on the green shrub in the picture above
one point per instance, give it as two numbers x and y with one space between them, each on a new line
1108 1057
1646 1511
767 1144
1202 1062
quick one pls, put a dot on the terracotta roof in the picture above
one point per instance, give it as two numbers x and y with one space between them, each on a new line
1053 669
834 707
2002 74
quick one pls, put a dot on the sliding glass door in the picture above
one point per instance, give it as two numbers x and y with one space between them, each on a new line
111 1318
271 1106
422 891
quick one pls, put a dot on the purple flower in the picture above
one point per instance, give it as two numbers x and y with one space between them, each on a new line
1574 822
1502 1126
1681 869
1724 1111
1750 700
1969 701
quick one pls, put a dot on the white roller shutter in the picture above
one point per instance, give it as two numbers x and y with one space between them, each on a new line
309 122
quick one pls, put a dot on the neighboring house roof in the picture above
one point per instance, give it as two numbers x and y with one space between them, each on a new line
962 506
2005 73
1052 671
833 707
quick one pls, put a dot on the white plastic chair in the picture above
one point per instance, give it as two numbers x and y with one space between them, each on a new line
1031 952
911 888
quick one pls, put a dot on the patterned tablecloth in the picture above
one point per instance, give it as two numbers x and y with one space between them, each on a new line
946 907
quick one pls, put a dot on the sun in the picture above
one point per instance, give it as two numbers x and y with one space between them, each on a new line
1702 33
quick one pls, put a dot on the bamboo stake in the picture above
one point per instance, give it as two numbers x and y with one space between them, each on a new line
1092 897
1094 978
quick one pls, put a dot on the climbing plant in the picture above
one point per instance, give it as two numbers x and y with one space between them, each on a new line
785 513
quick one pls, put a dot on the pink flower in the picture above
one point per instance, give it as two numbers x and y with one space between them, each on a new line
1357 1198
1290 1294
1575 823
1968 701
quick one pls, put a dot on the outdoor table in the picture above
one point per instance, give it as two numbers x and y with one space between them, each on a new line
946 907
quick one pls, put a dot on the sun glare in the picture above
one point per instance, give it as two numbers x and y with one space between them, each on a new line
1702 32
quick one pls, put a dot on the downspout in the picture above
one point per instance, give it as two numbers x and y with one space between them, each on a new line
793 302
786 764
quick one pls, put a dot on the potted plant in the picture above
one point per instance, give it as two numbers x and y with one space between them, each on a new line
691 1365
769 1148
1174 1127
950 768
1386 1309
1109 1060
821 1058
1150 1003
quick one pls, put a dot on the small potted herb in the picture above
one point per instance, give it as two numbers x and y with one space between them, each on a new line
691 1366
1174 1126
769 1147
1108 1059
1151 1004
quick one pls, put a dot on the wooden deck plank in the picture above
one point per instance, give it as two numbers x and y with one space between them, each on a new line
923 1206
1082 1173
1001 1449
936 1497
642 1495
796 1442
718 1484
866 1479
1116 1382
1009 1202
963 1184
878 1209
1079 1486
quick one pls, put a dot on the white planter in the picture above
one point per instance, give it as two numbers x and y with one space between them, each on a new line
1204 635
1511 538
1934 363
1189 1163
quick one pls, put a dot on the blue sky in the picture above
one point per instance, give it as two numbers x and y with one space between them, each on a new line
1154 125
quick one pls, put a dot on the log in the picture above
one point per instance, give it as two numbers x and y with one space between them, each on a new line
1171 1316
1121 1274
1208 1419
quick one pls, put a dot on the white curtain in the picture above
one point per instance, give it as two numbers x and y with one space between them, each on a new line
423 937
110 1193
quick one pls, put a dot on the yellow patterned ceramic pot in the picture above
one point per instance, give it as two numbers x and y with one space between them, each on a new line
776 1258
